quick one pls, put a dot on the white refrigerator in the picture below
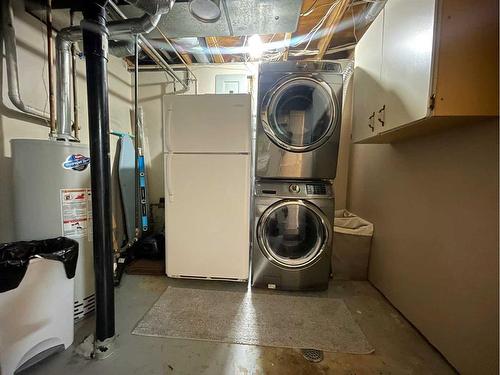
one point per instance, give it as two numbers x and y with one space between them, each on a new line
207 185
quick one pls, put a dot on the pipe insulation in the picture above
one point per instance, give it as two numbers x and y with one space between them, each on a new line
9 37
69 35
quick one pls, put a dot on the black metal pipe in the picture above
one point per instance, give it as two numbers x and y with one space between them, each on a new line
95 48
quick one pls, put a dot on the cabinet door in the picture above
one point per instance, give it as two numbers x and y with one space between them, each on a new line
366 81
407 59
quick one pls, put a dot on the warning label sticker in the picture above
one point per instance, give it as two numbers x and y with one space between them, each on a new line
76 212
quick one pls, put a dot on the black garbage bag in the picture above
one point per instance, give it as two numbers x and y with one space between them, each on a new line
15 257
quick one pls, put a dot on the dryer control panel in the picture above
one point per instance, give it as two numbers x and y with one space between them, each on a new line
295 189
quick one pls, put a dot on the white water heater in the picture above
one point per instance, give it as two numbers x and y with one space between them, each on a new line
52 198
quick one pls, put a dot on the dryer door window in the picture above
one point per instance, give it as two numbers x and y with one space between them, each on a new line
301 114
293 234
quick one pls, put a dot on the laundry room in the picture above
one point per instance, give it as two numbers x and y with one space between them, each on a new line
249 187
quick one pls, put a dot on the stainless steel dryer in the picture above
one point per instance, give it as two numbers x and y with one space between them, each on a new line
292 237
299 116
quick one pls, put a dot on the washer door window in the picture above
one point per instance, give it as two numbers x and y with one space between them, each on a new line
293 234
300 114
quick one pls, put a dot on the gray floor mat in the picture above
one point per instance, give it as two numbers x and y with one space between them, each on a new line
256 319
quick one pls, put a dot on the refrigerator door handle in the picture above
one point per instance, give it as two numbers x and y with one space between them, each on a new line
166 128
168 178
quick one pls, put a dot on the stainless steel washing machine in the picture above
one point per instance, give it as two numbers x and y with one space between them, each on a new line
299 117
292 237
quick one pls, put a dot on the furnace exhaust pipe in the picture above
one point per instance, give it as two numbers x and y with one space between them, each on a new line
95 33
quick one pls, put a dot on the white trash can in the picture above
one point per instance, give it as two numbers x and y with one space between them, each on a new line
36 317
351 246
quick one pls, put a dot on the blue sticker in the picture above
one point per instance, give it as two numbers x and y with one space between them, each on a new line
76 162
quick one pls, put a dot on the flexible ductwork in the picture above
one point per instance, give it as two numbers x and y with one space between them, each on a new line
370 13
116 29
194 47
9 37
121 48
153 7
132 26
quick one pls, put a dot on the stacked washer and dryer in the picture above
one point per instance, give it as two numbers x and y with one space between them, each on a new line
297 143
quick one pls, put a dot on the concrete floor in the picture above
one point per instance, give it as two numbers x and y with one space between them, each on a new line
399 348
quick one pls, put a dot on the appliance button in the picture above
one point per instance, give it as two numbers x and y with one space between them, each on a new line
294 188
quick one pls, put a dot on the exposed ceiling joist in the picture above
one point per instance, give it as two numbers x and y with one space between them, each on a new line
330 25
186 58
213 46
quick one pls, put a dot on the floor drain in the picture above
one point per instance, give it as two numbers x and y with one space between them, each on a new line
313 355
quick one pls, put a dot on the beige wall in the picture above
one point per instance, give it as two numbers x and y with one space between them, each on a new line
31 41
434 203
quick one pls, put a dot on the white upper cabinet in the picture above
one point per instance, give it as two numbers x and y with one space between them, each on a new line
424 65
367 80
407 59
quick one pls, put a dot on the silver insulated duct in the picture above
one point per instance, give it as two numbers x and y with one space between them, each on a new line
121 48
153 7
371 12
117 29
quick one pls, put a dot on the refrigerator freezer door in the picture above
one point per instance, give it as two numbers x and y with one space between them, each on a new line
207 123
207 216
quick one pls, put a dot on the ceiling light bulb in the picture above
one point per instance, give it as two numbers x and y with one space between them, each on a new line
255 47
205 10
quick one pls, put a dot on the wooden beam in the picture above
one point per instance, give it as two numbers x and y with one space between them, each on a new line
286 42
186 58
213 46
330 25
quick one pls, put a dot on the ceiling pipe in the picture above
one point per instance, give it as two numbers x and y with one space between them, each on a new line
9 37
155 56
69 35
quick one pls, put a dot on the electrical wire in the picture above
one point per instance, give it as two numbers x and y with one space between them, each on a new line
354 25
323 20
310 10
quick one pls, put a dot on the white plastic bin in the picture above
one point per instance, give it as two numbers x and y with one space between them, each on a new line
352 242
36 317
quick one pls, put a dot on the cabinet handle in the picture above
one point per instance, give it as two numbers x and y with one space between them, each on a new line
370 122
381 112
